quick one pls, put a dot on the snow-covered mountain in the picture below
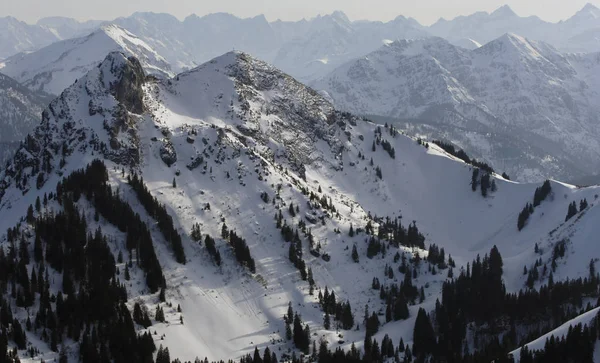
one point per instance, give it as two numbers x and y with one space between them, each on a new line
304 49
576 34
308 49
484 27
237 145
20 112
512 101
333 40
195 40
55 67
66 28
17 36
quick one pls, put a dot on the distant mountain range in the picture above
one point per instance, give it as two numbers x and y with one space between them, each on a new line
196 212
517 103
20 112
17 36
306 49
55 67
526 106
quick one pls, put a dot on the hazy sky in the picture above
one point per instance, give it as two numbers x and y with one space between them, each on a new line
425 11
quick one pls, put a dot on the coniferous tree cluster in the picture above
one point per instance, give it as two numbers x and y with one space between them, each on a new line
541 193
140 315
394 232
209 242
396 306
240 249
89 307
265 197
474 179
459 153
424 340
478 296
295 254
485 184
572 211
577 346
341 312
484 180
437 256
378 172
159 315
387 146
296 330
159 212
355 257
396 296
93 183
524 216
372 325
196 233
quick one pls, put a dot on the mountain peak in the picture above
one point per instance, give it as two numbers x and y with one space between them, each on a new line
589 7
503 11
513 45
338 14
124 77
588 11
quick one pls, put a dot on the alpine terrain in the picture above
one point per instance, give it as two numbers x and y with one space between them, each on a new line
231 212
17 36
521 105
20 112
55 67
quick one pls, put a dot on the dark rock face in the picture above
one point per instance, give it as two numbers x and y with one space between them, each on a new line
167 153
63 132
198 160
128 90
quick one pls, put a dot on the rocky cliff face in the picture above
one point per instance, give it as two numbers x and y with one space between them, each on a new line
97 115
283 116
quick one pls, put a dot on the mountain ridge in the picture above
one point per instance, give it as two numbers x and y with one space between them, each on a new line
237 145
498 86
53 68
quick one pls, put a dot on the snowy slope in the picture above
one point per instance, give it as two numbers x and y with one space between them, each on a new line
54 68
510 86
17 36
259 130
561 331
20 112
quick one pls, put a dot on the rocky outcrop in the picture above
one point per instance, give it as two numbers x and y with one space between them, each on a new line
128 89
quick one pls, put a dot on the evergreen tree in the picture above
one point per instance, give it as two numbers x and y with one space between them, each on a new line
424 336
354 254
474 179
572 211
